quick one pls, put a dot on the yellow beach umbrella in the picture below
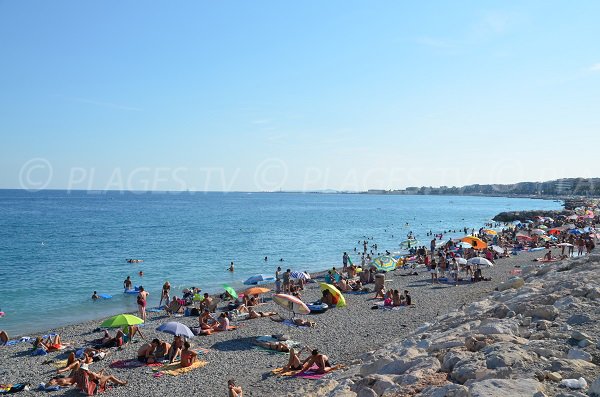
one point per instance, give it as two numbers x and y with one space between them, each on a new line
341 301
490 232
476 242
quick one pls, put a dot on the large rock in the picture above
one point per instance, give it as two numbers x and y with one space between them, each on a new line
399 367
505 355
578 354
595 388
366 392
469 368
578 335
505 387
573 368
578 319
451 390
545 312
513 282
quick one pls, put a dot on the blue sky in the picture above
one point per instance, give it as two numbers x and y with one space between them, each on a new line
268 95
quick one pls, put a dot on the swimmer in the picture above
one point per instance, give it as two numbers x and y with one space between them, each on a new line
141 273
95 296
231 269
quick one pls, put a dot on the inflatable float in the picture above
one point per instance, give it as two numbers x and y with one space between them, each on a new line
135 290
316 307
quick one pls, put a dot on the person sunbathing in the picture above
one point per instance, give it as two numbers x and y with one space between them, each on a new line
277 346
205 320
60 381
146 353
130 331
294 363
296 321
176 348
222 323
52 343
86 358
188 357
3 338
107 341
318 359
100 378
252 314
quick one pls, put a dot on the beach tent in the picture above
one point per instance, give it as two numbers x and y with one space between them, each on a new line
476 242
121 320
259 278
175 328
335 292
291 303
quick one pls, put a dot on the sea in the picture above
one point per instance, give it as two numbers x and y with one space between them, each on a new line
58 247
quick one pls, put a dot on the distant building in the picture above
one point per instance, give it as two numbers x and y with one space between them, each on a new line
376 191
563 186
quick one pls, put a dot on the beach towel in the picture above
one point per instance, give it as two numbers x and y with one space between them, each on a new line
13 388
381 305
21 340
176 369
154 310
281 372
42 387
358 292
289 323
59 363
202 351
132 363
269 339
312 374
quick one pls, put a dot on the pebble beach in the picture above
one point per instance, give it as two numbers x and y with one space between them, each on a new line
344 334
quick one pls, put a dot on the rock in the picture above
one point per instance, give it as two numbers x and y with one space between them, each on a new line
593 293
450 359
577 354
513 282
375 367
566 303
595 388
577 335
366 392
466 369
451 390
578 319
554 376
400 366
584 343
526 322
383 384
505 355
574 383
573 368
543 324
505 387
545 312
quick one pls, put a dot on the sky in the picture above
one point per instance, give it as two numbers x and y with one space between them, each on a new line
311 95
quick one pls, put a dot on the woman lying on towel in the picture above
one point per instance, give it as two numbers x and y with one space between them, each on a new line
51 344
277 346
296 321
253 313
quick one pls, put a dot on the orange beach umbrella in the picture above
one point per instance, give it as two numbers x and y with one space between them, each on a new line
476 242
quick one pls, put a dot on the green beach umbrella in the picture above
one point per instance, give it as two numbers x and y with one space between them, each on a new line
230 291
384 263
121 320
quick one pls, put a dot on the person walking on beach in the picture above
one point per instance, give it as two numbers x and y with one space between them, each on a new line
141 301
278 280
434 272
165 293
286 280
345 262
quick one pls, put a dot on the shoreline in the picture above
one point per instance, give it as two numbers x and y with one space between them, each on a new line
342 333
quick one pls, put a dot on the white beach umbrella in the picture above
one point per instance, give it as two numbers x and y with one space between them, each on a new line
480 261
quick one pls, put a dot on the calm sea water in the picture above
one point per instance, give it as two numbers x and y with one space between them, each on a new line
57 247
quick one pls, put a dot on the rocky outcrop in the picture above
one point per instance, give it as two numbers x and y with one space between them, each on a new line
535 336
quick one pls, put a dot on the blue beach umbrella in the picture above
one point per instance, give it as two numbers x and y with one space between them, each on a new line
175 328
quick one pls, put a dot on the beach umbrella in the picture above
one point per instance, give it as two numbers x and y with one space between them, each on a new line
543 227
411 243
490 232
575 231
497 248
258 278
175 328
291 303
464 245
538 231
554 231
256 291
564 245
335 292
461 261
230 291
572 217
523 237
121 320
480 261
295 275
384 263
476 242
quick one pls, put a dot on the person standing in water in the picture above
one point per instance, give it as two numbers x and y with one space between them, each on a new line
231 269
141 301
127 283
